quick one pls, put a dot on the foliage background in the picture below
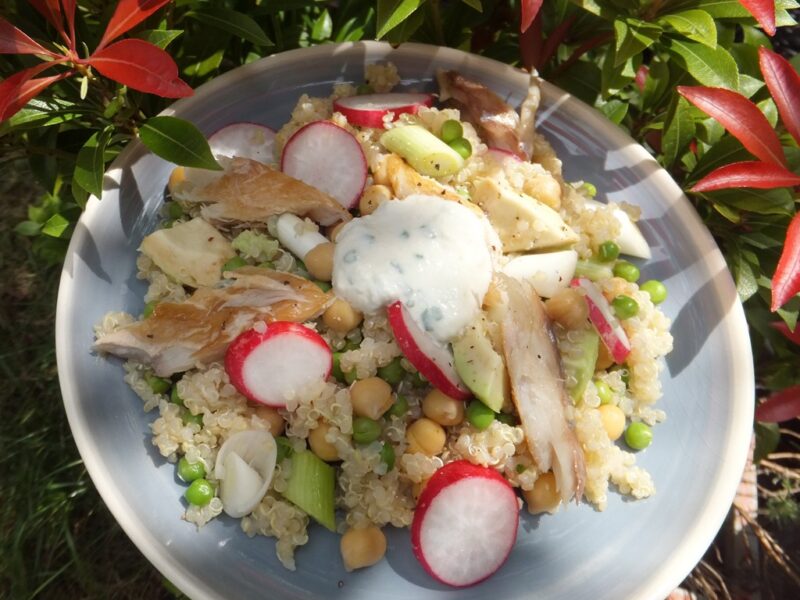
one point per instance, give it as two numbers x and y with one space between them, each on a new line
625 57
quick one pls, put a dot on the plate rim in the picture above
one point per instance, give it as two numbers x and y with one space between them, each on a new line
718 500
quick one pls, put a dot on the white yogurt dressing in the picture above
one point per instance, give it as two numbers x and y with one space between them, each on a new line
431 254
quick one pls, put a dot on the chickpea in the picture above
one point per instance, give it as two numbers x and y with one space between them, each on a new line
176 178
568 308
319 445
362 547
425 436
371 397
341 317
333 232
273 417
604 358
544 495
319 261
373 197
545 189
443 409
613 420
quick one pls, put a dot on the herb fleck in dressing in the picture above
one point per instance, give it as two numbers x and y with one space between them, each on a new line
431 254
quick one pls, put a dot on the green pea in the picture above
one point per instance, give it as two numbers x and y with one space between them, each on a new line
392 373
188 472
521 468
234 263
603 391
159 385
364 88
336 367
323 285
149 308
506 419
638 436
480 415
174 210
175 397
625 307
628 271
285 449
589 189
199 493
365 430
189 418
608 251
462 146
655 289
350 377
387 455
399 408
451 131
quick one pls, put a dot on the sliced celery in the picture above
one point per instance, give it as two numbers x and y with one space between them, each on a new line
424 151
593 270
311 487
579 357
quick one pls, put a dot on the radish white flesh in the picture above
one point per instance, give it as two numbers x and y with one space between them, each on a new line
248 140
630 239
602 317
299 236
465 523
429 357
329 158
245 465
547 272
270 367
369 110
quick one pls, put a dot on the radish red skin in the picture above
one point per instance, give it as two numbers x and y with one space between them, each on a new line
429 369
448 475
241 348
374 117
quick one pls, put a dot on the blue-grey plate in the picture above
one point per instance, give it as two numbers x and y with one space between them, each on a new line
635 549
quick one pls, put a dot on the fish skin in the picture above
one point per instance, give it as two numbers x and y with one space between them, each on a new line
537 387
178 336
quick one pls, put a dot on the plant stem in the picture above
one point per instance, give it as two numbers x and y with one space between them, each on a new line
436 16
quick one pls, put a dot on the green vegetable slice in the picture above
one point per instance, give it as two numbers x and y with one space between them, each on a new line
311 487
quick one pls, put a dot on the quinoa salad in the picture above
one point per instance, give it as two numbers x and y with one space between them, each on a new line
392 311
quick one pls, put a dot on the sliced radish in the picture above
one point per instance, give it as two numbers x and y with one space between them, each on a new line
248 140
369 110
547 272
465 524
329 158
429 357
269 366
501 155
299 236
245 465
630 239
602 317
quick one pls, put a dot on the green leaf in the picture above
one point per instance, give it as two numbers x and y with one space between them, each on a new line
714 67
239 24
80 195
55 226
159 37
765 202
393 12
582 80
615 110
178 141
696 25
404 31
749 86
746 284
323 26
205 66
28 228
732 215
770 111
633 36
90 163
656 83
725 151
614 78
678 131
476 4
768 436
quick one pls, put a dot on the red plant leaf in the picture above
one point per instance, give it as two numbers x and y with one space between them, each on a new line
16 91
780 406
740 117
555 39
763 11
528 11
51 10
748 174
783 328
15 41
784 85
641 77
142 66
69 7
128 14
786 280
